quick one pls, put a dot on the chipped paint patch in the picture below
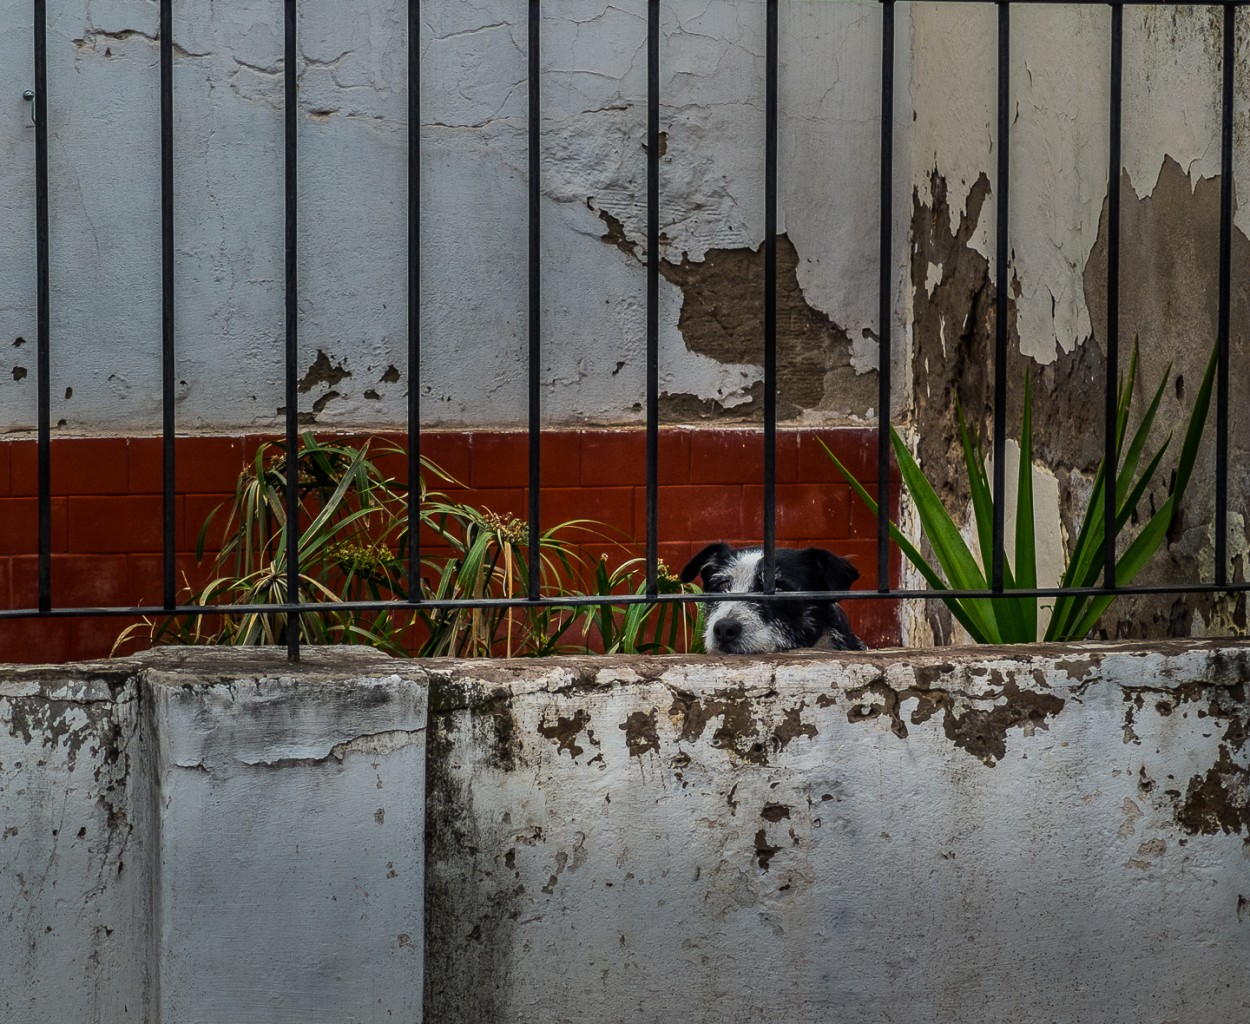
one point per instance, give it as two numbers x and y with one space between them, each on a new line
1218 801
640 732
565 730
722 306
967 721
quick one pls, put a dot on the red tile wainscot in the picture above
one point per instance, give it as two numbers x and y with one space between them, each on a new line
107 509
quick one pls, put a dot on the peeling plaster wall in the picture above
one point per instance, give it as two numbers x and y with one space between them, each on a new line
194 836
1058 241
104 158
1042 834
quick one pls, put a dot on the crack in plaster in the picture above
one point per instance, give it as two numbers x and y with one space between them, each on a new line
377 744
91 35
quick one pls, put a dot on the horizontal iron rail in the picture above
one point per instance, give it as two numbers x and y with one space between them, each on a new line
595 600
1071 3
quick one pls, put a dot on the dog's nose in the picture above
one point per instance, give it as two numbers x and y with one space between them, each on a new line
727 631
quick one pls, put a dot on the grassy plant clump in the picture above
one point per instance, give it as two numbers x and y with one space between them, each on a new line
353 545
641 628
1015 619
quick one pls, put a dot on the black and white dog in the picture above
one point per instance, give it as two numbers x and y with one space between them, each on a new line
749 627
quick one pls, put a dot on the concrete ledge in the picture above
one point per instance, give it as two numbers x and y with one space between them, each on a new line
1039 834
75 861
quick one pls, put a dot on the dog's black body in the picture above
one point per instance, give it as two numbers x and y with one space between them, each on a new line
749 627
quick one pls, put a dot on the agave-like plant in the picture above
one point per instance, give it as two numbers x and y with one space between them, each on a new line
1015 619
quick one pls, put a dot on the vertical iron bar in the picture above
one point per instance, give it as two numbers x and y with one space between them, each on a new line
535 299
653 288
1226 219
770 302
1001 187
414 300
1113 298
292 338
167 296
885 313
43 336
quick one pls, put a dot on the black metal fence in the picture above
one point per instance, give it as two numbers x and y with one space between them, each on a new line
885 169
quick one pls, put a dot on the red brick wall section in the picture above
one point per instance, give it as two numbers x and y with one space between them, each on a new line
107 510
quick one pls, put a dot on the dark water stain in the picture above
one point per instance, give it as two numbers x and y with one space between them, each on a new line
640 732
564 732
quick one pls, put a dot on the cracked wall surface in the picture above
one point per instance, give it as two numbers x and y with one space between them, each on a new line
75 852
104 162
199 837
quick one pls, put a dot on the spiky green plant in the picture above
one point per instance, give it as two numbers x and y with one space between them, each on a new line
1015 619
490 558
351 540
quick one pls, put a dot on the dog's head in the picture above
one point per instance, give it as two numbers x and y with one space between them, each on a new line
749 627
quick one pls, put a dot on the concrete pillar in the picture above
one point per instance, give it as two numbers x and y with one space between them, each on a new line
201 836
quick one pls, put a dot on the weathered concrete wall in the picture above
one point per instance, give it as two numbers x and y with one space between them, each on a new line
76 855
1036 835
196 836
105 256
104 157
973 835
1058 267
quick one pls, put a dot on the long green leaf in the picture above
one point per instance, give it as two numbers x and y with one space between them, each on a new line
1007 613
1155 532
1082 568
952 552
1135 557
978 485
1131 457
931 576
1193 433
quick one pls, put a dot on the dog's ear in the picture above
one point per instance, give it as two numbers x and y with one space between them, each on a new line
710 558
839 574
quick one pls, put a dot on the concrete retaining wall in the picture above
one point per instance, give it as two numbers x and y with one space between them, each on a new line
1033 835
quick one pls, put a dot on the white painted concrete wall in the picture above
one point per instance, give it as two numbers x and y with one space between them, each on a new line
1027 835
104 156
195 836
75 855
976 835
104 152
1060 79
